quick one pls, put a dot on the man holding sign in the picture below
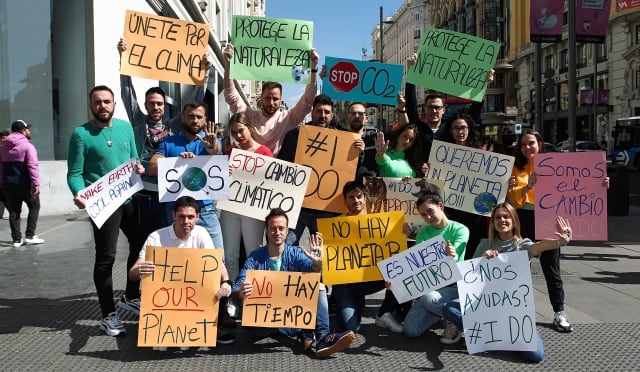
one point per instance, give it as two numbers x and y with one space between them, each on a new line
183 233
270 124
279 256
96 148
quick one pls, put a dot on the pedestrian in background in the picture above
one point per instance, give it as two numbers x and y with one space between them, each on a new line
21 182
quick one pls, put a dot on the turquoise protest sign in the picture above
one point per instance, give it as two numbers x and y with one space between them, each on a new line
360 81
271 49
454 63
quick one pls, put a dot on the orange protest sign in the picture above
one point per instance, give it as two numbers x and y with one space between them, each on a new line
164 48
333 159
178 305
281 299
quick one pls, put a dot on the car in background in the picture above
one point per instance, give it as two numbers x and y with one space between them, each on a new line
581 146
548 147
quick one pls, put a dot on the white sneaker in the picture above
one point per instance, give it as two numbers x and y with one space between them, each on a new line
34 240
451 333
561 322
112 325
387 321
18 244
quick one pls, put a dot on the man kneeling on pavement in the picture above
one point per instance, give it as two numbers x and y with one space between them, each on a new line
279 256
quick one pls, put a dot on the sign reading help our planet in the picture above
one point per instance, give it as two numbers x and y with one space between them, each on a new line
361 81
202 178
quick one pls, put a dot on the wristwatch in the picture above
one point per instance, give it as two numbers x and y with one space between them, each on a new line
228 281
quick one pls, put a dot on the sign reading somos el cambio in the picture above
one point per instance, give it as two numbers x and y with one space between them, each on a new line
164 48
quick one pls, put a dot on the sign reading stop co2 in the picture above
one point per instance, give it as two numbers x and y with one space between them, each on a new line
371 82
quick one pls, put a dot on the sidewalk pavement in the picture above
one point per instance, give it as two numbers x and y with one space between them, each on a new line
49 316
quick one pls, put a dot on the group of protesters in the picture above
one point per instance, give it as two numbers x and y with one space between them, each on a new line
103 143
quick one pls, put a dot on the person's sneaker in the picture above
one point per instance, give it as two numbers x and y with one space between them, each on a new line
112 325
387 321
451 333
306 339
34 240
128 304
18 244
561 322
334 342
225 338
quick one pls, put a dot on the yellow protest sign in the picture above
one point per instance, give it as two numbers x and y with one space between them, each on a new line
281 299
164 48
178 305
354 245
333 160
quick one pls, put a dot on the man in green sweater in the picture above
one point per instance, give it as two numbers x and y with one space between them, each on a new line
96 148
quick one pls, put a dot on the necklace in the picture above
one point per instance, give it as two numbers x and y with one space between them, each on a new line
109 143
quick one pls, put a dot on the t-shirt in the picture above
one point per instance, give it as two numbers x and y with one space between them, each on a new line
166 237
394 164
454 232
504 246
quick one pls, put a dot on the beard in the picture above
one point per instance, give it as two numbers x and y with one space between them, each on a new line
193 130
99 116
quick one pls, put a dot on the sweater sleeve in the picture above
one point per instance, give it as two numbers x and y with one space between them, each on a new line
130 101
31 158
459 240
75 164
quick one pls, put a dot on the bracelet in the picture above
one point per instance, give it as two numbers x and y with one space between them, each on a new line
228 281
314 70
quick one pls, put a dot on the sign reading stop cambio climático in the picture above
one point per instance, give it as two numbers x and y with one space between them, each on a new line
371 82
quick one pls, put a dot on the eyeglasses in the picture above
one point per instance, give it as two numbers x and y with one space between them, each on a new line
459 129
434 107
358 113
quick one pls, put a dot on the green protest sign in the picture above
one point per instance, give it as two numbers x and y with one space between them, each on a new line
454 63
271 49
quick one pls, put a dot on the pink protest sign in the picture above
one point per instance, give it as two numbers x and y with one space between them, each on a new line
571 185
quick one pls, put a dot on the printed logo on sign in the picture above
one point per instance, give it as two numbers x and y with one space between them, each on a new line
344 76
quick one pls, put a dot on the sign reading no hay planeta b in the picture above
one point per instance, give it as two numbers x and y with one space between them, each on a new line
371 82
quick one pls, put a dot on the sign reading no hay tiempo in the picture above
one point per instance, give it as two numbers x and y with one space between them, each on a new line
454 63
271 49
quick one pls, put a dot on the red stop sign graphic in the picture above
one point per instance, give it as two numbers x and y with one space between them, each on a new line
344 76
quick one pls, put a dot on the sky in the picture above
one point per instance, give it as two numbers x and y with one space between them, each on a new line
341 28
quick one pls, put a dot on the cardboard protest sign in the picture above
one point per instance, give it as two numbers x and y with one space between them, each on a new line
333 160
474 180
203 178
108 193
271 49
281 299
361 81
163 48
420 269
571 185
259 183
178 303
354 245
454 63
496 299
397 195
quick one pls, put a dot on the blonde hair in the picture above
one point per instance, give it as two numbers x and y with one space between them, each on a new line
493 233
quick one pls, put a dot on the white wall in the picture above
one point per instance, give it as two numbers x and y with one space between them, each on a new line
55 197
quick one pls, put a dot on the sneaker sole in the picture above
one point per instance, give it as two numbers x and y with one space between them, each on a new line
112 332
225 342
451 341
342 343
562 329
388 327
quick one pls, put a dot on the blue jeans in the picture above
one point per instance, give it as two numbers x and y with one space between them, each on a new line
350 299
322 322
453 313
209 220
427 311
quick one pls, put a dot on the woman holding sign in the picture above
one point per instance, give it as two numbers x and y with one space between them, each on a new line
403 160
521 195
504 236
234 226
427 309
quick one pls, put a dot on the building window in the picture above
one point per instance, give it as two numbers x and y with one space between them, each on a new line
451 25
581 56
493 103
637 34
532 71
498 80
471 21
460 20
564 60
416 34
548 62
416 16
601 52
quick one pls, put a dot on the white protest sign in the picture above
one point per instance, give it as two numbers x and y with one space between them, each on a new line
496 300
259 183
202 178
474 180
420 269
107 194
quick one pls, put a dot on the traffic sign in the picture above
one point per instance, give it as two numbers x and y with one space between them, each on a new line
622 157
344 76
